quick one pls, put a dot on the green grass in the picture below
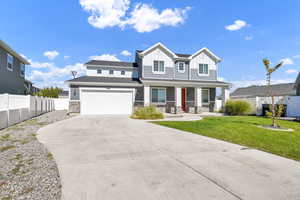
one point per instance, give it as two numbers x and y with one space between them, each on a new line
244 131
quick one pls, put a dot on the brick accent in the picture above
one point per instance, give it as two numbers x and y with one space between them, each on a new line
74 106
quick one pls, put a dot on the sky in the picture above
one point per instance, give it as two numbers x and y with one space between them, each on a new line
58 37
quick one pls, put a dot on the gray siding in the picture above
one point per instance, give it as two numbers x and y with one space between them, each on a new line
169 73
180 75
195 76
10 81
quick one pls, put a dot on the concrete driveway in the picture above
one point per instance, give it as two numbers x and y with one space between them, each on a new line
116 158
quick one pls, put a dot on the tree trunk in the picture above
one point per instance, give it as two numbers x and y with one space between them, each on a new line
273 113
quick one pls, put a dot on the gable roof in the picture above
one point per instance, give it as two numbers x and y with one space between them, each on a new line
208 51
99 79
12 52
158 45
180 55
111 63
284 89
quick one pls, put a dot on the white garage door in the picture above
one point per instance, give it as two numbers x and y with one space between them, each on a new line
97 102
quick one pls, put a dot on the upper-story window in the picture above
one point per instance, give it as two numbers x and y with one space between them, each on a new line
10 61
22 69
181 67
203 69
111 72
99 71
122 72
159 66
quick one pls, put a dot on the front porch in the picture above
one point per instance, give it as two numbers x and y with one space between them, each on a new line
184 99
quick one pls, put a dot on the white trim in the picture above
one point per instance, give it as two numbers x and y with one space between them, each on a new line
208 51
184 66
159 45
22 64
203 70
158 72
12 64
158 103
97 66
204 103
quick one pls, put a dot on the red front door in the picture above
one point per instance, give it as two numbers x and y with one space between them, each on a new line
183 99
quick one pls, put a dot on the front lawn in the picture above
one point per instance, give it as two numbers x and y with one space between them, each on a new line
244 131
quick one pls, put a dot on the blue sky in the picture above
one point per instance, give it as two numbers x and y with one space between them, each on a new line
59 36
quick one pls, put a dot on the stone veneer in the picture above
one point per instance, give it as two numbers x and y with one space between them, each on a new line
74 106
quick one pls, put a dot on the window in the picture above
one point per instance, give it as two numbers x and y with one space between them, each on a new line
122 72
111 71
10 61
22 69
203 68
181 66
158 95
99 71
205 96
159 66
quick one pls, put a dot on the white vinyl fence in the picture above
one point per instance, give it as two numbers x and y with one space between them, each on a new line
17 108
292 103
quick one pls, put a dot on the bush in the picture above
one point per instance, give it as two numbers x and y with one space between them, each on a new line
237 107
149 112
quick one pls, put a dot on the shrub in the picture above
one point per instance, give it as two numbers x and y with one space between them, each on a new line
149 112
237 107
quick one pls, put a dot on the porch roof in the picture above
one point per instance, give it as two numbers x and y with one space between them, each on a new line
184 83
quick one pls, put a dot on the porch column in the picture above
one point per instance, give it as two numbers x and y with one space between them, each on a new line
146 95
178 103
225 95
198 100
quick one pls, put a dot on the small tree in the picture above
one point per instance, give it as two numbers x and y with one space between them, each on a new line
269 89
52 92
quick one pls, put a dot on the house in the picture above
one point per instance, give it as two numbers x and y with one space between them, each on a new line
173 82
30 89
297 85
285 89
64 95
12 71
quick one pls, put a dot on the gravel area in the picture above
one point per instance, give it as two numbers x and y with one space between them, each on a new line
27 168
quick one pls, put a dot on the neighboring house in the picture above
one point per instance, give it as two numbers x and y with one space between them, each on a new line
297 85
175 83
12 71
30 88
64 95
285 89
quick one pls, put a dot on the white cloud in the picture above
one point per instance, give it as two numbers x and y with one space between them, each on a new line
248 37
66 57
125 53
287 61
39 65
237 25
54 76
107 57
51 54
296 56
144 18
291 71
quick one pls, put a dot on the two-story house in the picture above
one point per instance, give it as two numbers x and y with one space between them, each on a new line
175 83
12 71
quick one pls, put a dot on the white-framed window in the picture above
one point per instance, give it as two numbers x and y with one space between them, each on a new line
158 66
22 69
158 95
203 69
99 71
205 96
10 61
122 72
111 72
181 67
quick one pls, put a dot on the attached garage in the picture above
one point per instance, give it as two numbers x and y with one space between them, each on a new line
102 101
